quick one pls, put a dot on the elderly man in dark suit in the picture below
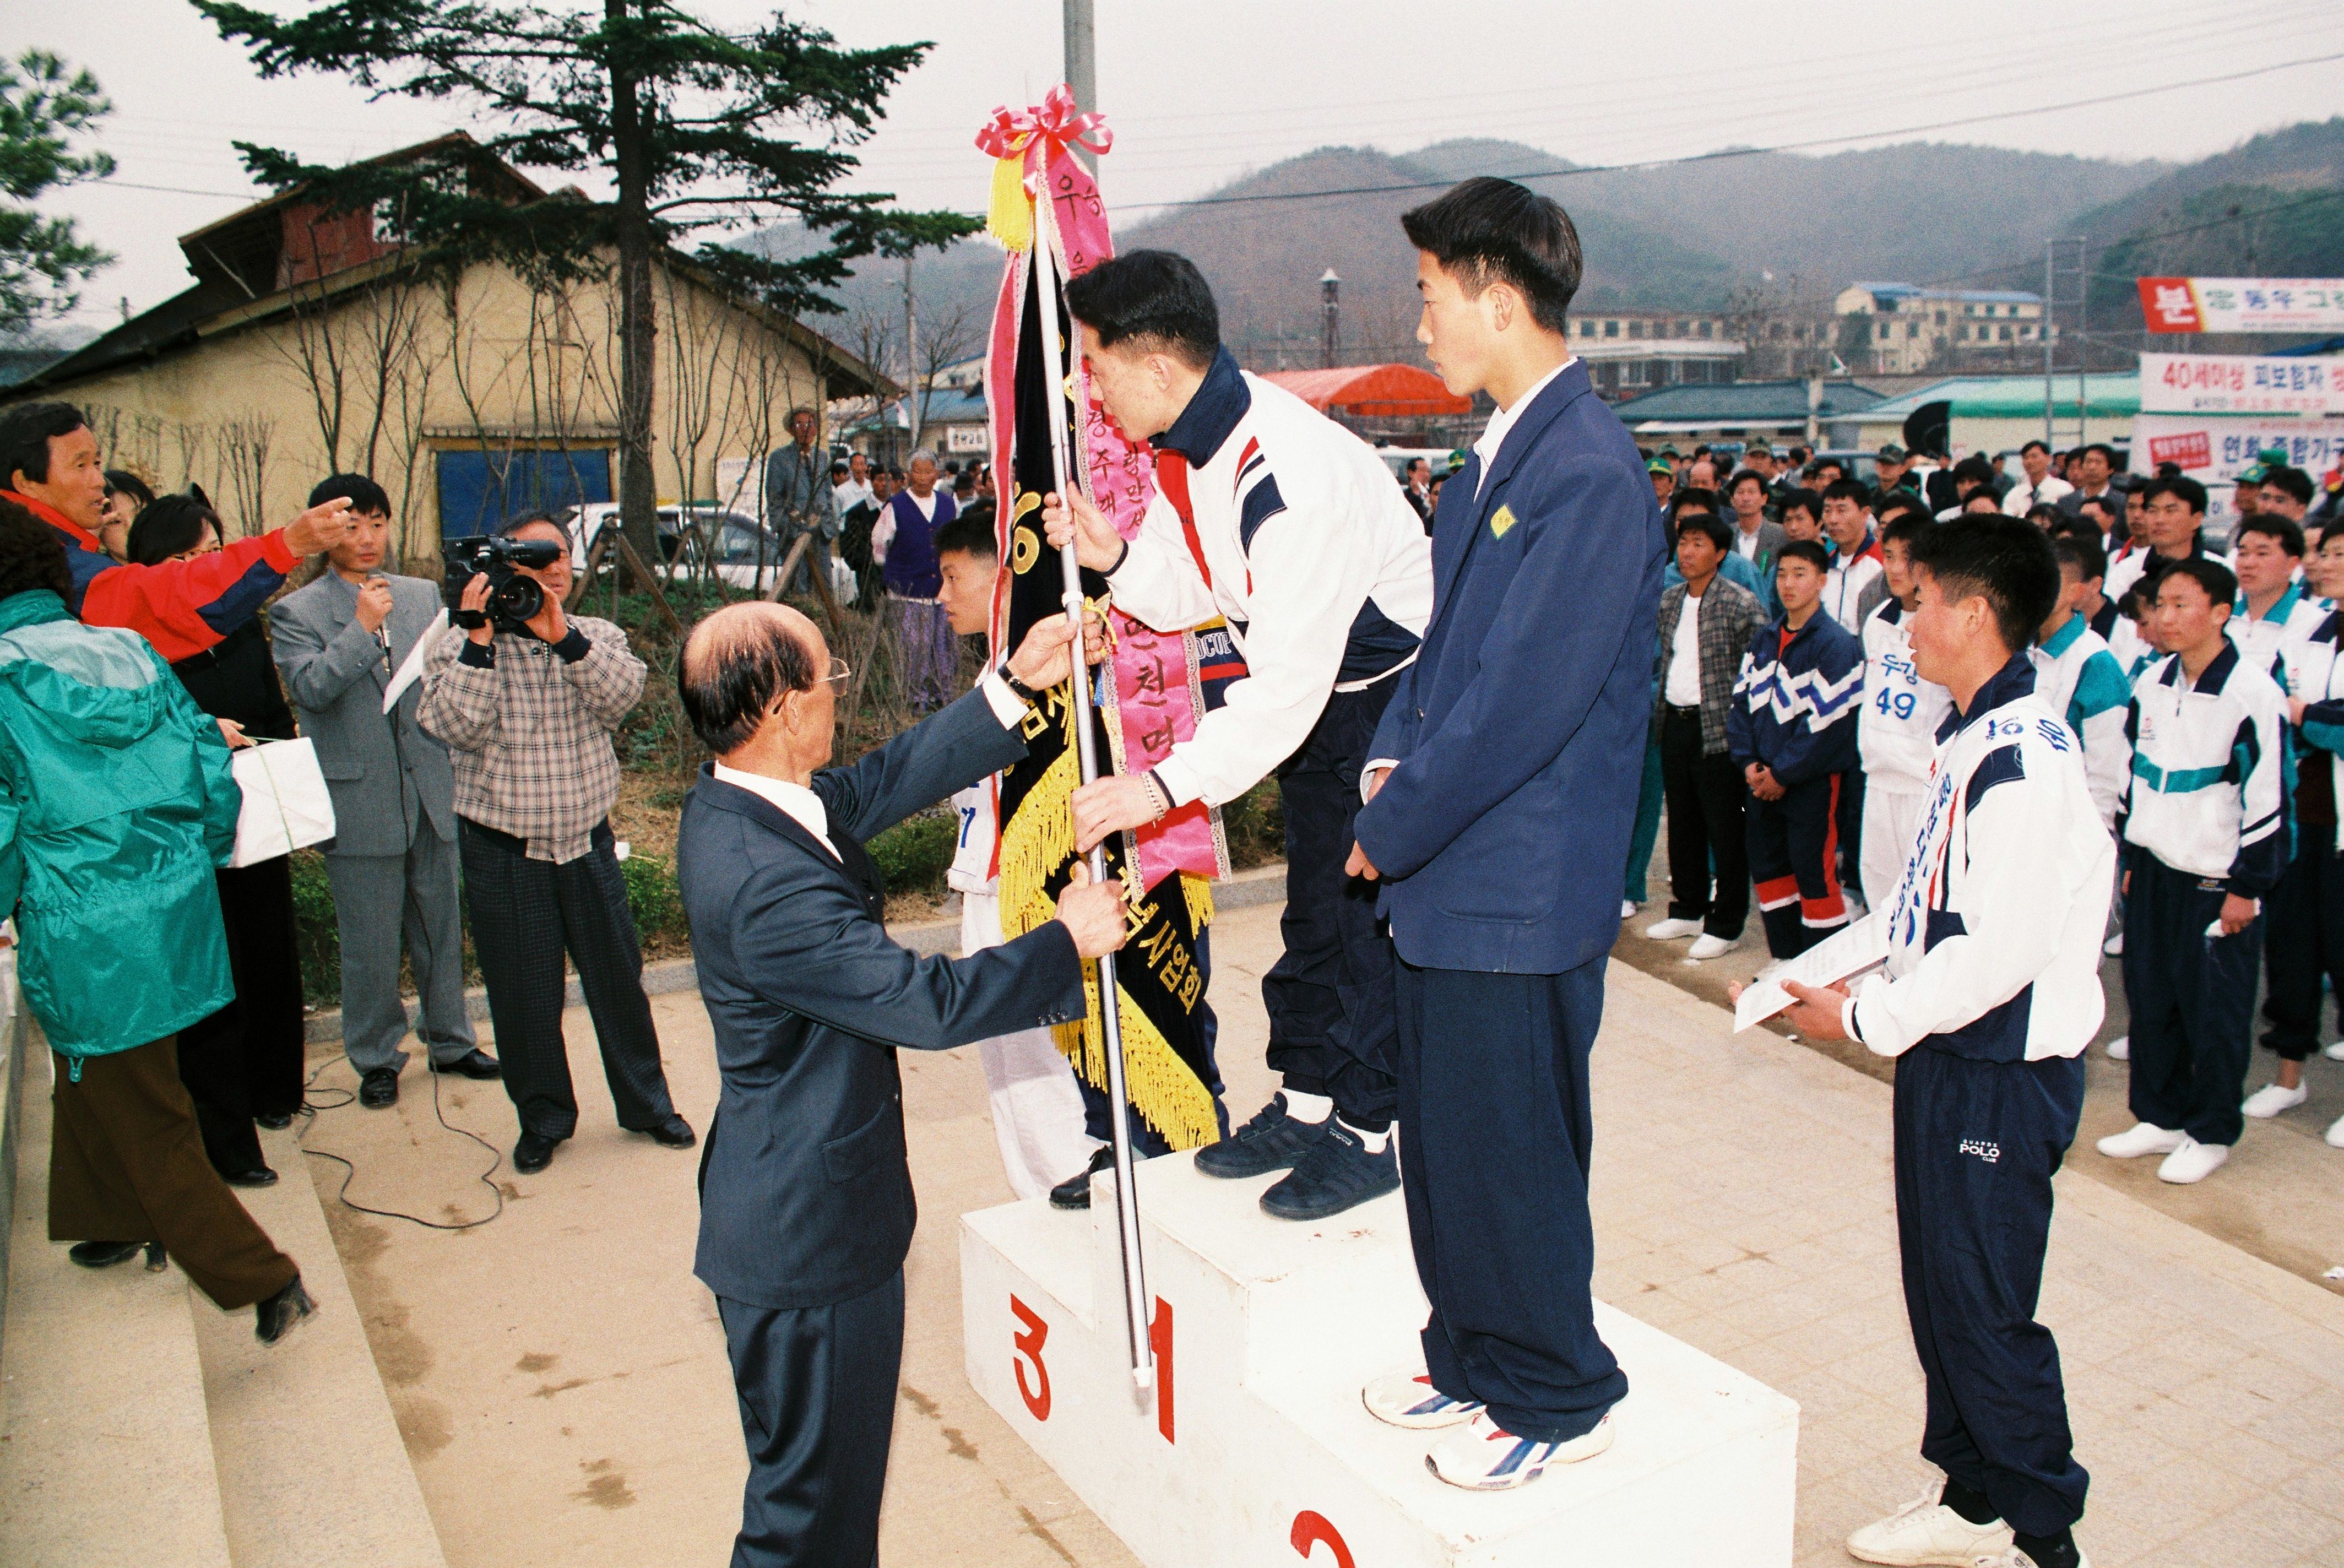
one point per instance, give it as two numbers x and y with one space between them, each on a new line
1501 784
392 859
807 1208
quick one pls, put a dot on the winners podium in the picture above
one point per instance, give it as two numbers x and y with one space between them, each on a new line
1253 1447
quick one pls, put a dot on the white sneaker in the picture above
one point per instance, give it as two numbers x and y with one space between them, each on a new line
1627 909
2141 1138
1709 946
2270 1099
2114 946
2120 1049
1670 930
2336 1134
2335 1052
1482 1457
1408 1400
1924 1530
2193 1161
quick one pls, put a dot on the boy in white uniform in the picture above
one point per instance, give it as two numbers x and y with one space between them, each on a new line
2078 677
1991 993
1037 1109
1896 731
2205 837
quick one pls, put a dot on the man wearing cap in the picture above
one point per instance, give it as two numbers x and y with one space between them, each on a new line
1664 481
1889 465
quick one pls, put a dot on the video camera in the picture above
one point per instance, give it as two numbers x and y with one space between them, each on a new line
513 598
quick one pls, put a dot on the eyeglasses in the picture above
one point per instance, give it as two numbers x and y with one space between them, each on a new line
839 670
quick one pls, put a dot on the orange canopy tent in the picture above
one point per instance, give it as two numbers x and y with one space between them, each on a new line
1373 391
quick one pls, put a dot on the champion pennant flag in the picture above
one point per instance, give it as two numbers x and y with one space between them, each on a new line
1152 689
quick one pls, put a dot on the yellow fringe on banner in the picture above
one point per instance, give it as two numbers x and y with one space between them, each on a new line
1011 217
1035 842
1199 893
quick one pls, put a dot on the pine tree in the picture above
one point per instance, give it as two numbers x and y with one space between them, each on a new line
699 130
44 260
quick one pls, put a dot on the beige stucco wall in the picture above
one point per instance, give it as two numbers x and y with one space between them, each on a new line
383 378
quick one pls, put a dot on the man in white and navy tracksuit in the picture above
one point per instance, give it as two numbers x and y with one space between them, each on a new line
1272 516
1990 994
2079 678
1896 731
2206 837
2304 942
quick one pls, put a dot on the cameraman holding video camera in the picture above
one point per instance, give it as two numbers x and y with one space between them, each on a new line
526 700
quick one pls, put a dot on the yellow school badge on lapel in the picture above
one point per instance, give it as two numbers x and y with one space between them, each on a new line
1500 520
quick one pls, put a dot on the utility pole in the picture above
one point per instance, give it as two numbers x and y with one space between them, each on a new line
911 401
2049 277
1330 322
1082 69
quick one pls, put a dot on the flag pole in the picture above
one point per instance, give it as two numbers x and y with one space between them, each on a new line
1057 330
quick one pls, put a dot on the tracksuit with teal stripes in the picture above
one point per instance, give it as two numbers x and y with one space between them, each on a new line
2205 815
2306 935
1795 709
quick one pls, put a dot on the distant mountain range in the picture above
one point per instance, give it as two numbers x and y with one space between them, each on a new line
1687 236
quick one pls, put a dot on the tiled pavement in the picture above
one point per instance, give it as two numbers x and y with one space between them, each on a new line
1741 1202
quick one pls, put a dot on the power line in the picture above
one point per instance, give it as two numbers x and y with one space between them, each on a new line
1724 153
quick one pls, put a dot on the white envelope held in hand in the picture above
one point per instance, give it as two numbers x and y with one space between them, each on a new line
1861 947
411 672
286 803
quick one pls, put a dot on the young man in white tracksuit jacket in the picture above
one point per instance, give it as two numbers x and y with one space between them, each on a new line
1991 993
2206 837
1896 730
1271 515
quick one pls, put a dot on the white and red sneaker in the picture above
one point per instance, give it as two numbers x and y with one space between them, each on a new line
1408 1400
1482 1456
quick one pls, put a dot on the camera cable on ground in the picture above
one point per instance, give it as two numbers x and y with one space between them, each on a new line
310 1110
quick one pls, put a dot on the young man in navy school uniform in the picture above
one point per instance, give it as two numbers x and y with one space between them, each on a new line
1991 993
1502 786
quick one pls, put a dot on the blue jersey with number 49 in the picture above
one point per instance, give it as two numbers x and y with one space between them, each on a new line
1897 730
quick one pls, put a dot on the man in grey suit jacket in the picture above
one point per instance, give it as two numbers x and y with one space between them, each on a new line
392 859
807 1207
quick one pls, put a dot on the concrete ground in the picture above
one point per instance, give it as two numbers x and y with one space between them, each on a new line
560 1381
2281 1197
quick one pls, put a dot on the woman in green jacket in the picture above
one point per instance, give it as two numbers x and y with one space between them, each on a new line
117 802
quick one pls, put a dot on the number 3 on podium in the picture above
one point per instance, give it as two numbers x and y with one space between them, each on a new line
1029 1348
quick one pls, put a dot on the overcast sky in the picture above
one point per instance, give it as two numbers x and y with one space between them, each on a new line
1202 90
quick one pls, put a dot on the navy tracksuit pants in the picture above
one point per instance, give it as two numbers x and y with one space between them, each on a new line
1977 1143
1329 994
1795 860
1495 1131
2303 938
2192 998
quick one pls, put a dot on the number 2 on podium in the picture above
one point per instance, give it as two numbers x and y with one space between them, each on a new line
1312 1528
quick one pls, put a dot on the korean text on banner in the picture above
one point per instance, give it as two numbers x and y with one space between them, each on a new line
2242 304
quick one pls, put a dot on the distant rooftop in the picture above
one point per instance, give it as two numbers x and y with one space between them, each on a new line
1965 296
2108 396
1712 403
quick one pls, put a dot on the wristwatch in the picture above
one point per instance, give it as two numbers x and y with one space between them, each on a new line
1018 687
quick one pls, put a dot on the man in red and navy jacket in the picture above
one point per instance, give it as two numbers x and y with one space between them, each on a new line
56 471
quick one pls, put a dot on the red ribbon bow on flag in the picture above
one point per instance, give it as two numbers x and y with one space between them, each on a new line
1023 141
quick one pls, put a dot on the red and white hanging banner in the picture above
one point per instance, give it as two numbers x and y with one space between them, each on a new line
2243 304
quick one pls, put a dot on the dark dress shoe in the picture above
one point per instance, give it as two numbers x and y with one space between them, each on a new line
279 1313
156 1261
1074 1192
674 1133
274 1120
258 1176
472 1065
532 1153
378 1088
103 1254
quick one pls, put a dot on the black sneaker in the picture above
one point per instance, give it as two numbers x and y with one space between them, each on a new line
1338 1173
1074 1192
1272 1140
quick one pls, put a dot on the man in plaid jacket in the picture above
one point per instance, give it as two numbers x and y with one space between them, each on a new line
528 716
1698 661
